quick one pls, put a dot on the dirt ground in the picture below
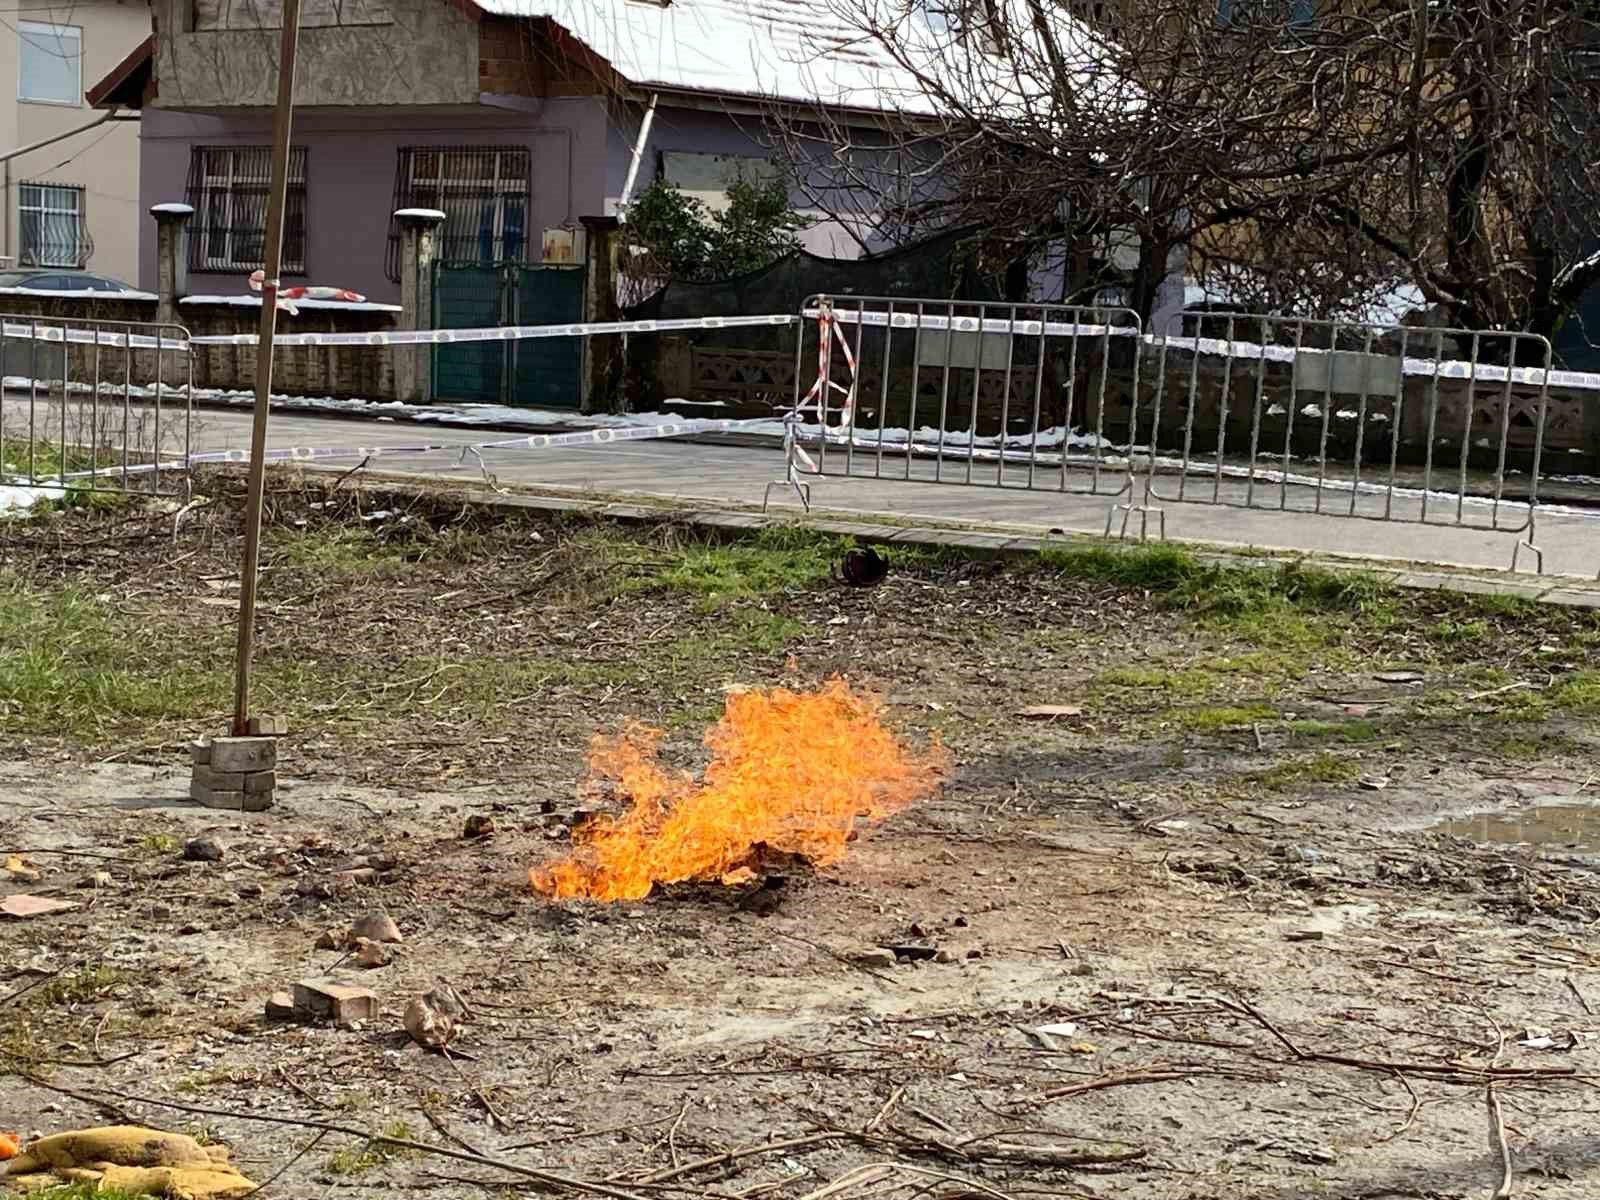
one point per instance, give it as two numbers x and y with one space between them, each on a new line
1198 934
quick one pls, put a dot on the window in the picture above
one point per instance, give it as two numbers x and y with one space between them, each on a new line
53 232
1295 14
228 188
483 191
50 63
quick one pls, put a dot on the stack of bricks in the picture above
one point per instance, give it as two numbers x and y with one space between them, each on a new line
238 773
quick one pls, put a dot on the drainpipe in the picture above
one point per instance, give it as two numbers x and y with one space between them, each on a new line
638 153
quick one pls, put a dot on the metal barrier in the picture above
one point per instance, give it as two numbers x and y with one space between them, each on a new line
1004 387
1311 417
93 406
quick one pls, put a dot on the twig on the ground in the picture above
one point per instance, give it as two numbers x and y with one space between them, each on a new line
280 1172
483 1098
1458 1071
1155 1073
835 955
44 978
588 1133
1497 1131
288 1081
732 1156
1573 987
672 1133
443 1130
1416 1107
889 1106
548 1178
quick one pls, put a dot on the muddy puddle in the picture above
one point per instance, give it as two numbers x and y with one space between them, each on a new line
1556 821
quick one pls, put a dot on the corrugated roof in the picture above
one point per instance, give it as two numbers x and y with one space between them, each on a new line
797 51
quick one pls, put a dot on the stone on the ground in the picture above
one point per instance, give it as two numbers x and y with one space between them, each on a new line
373 954
242 754
330 939
280 1007
427 1025
204 849
874 957
268 725
200 751
478 826
342 1003
376 927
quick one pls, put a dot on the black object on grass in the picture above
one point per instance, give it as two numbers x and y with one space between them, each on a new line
864 568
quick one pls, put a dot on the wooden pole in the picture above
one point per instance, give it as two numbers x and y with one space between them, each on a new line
282 121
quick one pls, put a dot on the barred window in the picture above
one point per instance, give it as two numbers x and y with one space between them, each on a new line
53 229
484 192
228 188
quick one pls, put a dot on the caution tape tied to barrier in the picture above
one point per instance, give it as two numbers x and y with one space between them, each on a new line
540 441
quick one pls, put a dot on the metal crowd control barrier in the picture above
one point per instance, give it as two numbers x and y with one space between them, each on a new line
1407 425
95 405
1001 387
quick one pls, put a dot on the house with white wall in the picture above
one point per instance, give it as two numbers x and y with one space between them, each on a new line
74 201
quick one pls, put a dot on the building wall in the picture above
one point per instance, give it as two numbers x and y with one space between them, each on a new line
103 161
413 52
729 132
350 175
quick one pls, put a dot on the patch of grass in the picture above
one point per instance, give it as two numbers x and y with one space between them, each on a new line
1451 632
67 661
158 843
356 1160
333 549
1286 606
191 1084
1323 768
82 986
21 1047
1214 719
1189 682
1578 693
1528 744
83 1191
1336 731
773 560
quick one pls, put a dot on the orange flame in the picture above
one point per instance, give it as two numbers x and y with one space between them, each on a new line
790 771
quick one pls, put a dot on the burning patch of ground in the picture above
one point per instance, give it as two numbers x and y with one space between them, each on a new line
792 773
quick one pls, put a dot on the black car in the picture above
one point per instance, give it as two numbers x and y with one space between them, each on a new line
45 279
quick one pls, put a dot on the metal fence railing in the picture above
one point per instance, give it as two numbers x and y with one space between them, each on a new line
92 406
979 394
1421 426
1418 426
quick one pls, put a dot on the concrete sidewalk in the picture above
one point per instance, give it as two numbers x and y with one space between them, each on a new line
722 477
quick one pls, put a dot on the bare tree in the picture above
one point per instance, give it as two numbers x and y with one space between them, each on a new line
1305 158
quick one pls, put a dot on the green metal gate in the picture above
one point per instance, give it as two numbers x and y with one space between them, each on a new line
529 372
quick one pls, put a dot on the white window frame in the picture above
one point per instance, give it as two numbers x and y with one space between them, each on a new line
44 210
225 181
39 35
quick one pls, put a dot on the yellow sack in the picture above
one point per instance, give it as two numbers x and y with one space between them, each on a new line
133 1159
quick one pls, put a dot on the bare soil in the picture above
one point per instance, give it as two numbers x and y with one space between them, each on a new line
1197 939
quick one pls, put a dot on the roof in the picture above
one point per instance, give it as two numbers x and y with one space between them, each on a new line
800 51
813 52
124 86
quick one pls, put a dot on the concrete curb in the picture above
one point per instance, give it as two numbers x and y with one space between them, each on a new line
886 530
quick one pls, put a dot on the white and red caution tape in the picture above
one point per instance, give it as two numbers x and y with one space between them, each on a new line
288 295
497 333
542 441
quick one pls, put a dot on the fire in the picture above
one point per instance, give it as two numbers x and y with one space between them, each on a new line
792 772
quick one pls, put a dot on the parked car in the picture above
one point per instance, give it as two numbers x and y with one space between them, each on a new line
44 279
